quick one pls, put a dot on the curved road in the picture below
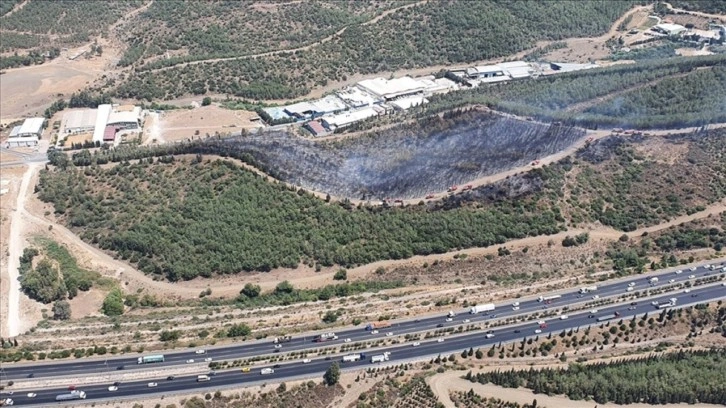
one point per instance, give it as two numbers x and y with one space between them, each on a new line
399 354
568 298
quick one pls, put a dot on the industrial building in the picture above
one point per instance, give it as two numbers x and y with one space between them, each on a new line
669 29
389 89
316 128
99 127
343 120
125 117
78 121
357 98
562 67
437 85
517 69
330 104
490 73
27 134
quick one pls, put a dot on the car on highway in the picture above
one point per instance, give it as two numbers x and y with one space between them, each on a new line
31 375
631 284
152 384
276 350
440 340
596 297
654 303
515 304
590 316
305 361
489 335
200 351
208 359
416 344
121 367
691 276
694 295
723 284
515 308
448 319
630 289
564 317
191 360
32 395
247 369
493 316
633 303
389 334
538 331
276 366
347 341
686 291
594 311
113 388
517 331
671 281
374 331
440 325
466 321
278 346
693 269
70 388
678 272
632 308
170 378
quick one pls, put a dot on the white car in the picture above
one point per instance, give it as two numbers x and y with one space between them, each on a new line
200 351
374 332
389 334
693 269
686 291
489 335
32 395
416 344
307 360
538 331
631 284
440 340
671 281
347 341
467 320
152 384
707 266
678 272
691 276
654 303
596 297
541 322
593 311
278 346
208 359
515 304
723 284
564 317
448 319
191 360
630 289
113 388
515 307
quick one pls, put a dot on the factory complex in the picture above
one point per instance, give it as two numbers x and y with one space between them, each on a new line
109 124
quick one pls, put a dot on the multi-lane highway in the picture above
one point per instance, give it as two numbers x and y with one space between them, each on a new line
399 328
399 353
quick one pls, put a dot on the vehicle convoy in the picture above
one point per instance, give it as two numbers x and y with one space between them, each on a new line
378 325
158 358
73 395
608 317
325 337
379 358
487 307
548 299
283 339
588 289
353 357
670 303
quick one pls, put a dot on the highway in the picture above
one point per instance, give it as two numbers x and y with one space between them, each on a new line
301 342
399 354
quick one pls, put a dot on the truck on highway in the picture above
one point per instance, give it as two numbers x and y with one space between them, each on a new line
379 358
353 357
203 377
283 339
266 371
670 303
487 307
157 358
378 325
73 395
451 314
325 337
588 289
608 317
6 402
548 299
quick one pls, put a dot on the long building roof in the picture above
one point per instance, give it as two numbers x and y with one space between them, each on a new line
31 126
391 88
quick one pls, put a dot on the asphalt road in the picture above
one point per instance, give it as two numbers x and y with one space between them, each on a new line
399 354
399 328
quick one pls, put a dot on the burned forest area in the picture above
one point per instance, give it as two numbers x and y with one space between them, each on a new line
406 161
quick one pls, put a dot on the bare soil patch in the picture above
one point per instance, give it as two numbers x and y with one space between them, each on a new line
206 120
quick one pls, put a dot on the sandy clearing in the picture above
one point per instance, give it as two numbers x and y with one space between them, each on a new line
183 124
443 384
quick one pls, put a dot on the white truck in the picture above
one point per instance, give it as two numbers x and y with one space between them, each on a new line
266 371
653 281
549 298
325 337
353 357
73 395
670 303
379 358
588 289
203 377
487 307
6 402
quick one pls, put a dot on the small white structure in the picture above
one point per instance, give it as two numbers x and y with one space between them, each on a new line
345 119
27 134
391 89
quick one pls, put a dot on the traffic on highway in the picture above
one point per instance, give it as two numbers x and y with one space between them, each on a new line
440 344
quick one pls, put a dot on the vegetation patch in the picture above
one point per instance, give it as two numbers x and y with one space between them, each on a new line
687 376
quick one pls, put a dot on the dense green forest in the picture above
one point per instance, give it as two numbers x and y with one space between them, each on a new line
441 32
187 219
708 6
557 97
7 5
687 376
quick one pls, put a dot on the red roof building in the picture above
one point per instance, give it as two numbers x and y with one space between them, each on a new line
109 134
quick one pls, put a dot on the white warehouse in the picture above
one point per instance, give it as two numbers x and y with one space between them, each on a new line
27 134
